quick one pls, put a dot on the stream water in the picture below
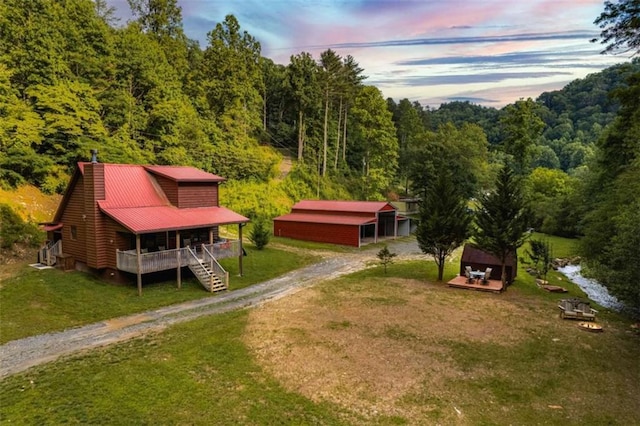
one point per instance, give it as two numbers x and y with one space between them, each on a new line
596 291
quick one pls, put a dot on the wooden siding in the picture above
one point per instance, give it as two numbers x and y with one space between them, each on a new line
116 237
93 191
72 215
189 194
197 194
324 233
169 187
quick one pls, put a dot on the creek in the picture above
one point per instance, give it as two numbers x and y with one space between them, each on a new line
596 291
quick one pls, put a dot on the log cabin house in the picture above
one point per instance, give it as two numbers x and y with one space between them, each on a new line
123 219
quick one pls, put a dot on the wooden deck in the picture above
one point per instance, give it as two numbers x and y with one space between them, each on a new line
460 281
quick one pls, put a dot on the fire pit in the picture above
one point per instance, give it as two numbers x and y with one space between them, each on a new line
590 326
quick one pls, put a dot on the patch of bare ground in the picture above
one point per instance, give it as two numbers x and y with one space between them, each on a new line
371 347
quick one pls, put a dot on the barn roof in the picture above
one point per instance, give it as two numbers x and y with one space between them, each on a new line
344 206
327 219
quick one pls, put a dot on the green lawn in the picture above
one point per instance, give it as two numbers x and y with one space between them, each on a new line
195 373
34 302
201 372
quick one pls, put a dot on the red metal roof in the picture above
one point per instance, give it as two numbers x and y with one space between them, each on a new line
164 218
130 186
184 174
52 226
134 199
321 218
344 206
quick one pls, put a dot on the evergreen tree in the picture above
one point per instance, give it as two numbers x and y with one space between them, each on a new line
386 257
444 220
502 219
260 235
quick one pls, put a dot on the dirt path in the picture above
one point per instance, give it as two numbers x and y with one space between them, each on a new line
19 355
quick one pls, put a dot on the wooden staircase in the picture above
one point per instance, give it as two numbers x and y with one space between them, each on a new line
207 277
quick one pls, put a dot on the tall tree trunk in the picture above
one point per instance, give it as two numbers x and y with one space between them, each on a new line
344 136
300 135
335 162
324 148
264 110
503 277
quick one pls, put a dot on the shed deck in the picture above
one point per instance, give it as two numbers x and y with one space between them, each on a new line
460 281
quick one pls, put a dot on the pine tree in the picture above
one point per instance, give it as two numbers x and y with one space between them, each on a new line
503 219
444 221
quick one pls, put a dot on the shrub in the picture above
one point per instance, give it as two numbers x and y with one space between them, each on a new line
14 230
260 234
386 257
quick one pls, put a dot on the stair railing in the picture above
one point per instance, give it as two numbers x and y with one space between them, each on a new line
215 266
47 254
198 269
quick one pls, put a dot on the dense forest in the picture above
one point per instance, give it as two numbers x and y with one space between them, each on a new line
73 78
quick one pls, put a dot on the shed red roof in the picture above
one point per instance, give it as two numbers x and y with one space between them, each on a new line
164 218
332 219
344 206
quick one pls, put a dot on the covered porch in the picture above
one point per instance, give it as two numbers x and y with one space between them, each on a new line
199 256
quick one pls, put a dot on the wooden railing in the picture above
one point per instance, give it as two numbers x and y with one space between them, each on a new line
151 262
169 259
217 269
47 254
223 250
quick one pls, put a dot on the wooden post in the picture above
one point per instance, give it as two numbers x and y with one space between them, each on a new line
139 265
375 227
210 235
179 259
395 224
240 240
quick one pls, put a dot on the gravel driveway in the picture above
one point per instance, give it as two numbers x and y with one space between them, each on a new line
19 355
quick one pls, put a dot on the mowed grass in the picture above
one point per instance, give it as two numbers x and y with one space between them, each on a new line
554 373
194 373
202 372
34 302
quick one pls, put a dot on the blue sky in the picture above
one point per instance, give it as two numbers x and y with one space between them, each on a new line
490 52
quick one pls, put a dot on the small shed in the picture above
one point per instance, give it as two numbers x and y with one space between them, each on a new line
352 223
480 260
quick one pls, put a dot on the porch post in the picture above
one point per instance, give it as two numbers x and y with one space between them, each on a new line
210 235
179 259
139 264
240 240
375 232
395 224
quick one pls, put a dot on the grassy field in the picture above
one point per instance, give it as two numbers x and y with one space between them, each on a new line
35 302
368 348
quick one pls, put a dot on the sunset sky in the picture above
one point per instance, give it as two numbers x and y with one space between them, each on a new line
490 52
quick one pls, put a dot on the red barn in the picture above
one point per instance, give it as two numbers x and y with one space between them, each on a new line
351 223
116 218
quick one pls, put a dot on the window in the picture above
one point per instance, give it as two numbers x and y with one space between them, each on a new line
74 232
